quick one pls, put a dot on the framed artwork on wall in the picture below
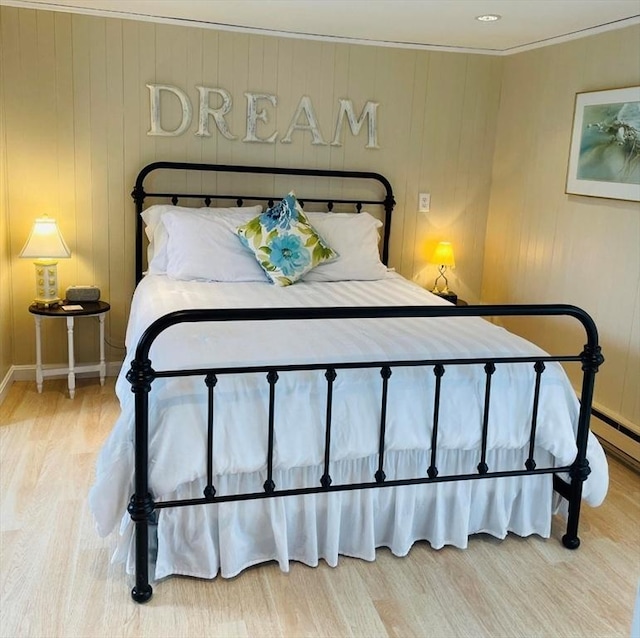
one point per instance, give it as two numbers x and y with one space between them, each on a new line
604 157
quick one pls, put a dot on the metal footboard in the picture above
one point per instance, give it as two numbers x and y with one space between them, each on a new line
141 375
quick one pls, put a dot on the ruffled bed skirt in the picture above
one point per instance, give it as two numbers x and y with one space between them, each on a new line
207 540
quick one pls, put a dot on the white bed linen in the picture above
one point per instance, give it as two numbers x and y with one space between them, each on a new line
178 434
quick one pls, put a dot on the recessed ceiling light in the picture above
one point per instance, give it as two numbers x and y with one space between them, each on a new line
490 17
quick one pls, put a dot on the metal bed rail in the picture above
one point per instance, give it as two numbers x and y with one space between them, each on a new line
141 375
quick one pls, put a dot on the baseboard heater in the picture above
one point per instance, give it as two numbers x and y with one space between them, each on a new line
605 418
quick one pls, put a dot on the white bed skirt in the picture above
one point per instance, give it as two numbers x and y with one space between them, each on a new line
207 540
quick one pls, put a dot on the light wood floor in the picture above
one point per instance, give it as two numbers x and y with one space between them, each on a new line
57 580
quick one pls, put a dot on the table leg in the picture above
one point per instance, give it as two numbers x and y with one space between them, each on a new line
72 363
103 367
38 320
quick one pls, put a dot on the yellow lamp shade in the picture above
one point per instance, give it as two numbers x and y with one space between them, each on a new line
443 255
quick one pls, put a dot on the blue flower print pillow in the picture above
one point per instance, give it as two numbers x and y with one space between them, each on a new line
284 242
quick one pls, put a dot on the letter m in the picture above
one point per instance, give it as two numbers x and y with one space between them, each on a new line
355 124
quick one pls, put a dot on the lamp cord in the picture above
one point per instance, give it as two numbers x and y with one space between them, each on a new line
108 341
113 345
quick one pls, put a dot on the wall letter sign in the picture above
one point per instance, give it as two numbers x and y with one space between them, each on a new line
154 103
253 115
304 118
370 109
218 114
305 106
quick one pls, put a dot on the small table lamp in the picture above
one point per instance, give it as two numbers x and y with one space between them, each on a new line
45 246
443 256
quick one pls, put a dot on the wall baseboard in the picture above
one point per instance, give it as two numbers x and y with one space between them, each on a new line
28 373
5 384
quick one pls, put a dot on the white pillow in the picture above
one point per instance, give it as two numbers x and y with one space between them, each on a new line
207 248
355 237
157 234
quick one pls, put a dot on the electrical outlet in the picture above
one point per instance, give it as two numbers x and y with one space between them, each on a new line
424 202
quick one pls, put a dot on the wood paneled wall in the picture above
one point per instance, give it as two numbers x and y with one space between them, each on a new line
77 117
6 333
74 112
545 246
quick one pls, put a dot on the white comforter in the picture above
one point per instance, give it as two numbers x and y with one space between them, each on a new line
178 406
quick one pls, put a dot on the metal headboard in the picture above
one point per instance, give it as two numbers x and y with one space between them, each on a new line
139 194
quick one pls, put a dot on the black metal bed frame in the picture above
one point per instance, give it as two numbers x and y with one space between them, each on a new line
142 506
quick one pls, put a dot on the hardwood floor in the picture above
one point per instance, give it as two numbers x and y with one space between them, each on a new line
57 581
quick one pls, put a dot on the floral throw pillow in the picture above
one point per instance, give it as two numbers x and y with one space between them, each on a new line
284 242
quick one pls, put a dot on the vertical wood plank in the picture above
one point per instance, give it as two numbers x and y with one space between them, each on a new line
64 143
210 77
116 217
413 258
133 99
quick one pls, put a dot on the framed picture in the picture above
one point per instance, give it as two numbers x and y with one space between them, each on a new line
604 158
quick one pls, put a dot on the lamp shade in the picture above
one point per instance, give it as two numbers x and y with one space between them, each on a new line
45 241
443 255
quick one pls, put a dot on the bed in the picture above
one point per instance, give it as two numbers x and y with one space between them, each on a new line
269 419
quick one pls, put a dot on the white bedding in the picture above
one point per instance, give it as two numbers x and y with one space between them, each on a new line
178 431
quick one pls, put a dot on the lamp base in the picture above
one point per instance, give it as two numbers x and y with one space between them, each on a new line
46 283
47 304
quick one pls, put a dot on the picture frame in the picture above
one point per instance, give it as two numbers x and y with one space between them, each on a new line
604 156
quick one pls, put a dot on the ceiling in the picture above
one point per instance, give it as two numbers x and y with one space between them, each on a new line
442 24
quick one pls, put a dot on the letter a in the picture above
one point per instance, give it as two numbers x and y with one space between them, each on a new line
306 106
